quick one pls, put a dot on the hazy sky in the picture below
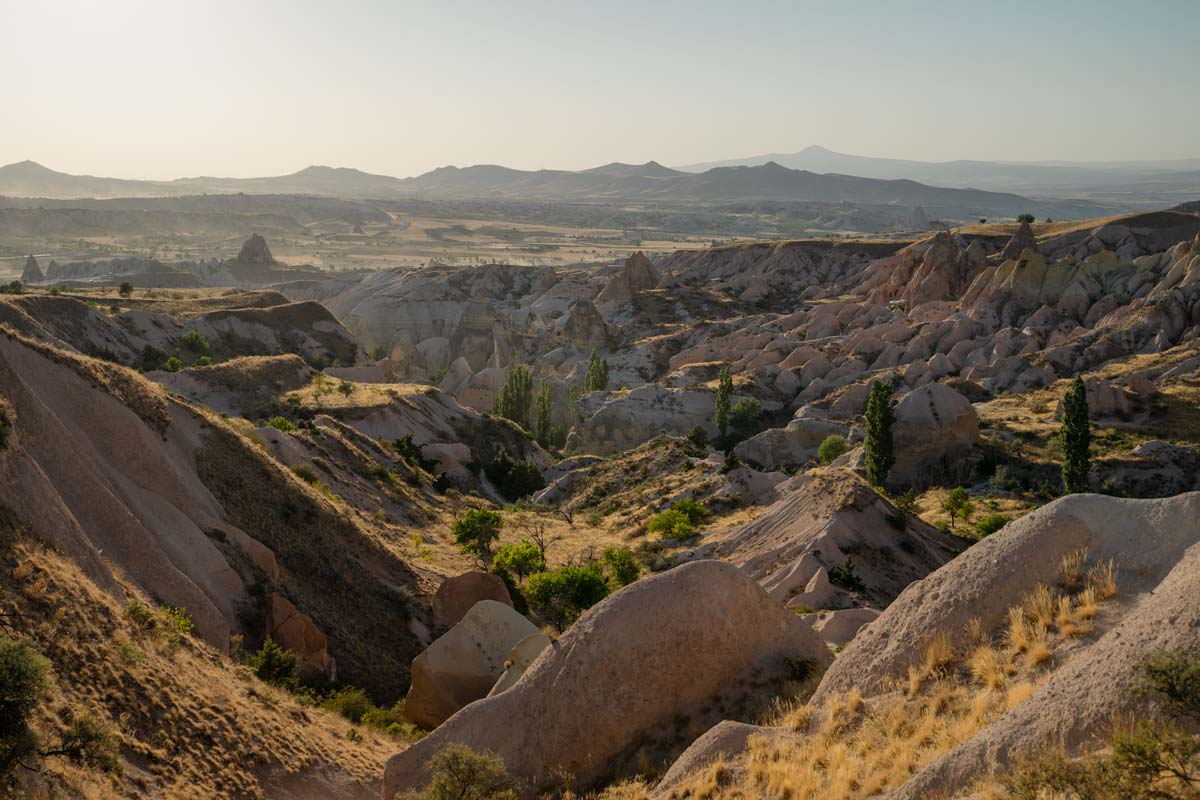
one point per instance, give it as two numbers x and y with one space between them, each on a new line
164 89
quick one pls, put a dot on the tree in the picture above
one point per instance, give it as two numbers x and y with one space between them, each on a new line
195 341
879 453
346 388
743 419
958 505
476 530
521 559
724 401
623 568
562 595
377 353
275 665
23 681
573 409
459 773
832 448
516 395
126 289
1025 218
1075 438
542 430
596 379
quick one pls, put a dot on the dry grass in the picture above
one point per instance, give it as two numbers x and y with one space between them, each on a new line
858 748
189 721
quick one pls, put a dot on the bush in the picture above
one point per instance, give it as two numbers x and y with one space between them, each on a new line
6 425
832 448
698 437
195 341
623 568
179 620
512 478
743 420
23 682
562 595
203 361
346 388
521 559
172 364
845 576
305 473
695 511
476 531
126 289
673 523
990 524
459 773
275 665
281 424
350 702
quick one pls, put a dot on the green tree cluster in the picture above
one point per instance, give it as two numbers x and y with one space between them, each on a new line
516 396
476 530
596 379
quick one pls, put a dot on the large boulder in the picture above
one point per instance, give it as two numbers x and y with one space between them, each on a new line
462 665
458 595
794 444
933 424
657 651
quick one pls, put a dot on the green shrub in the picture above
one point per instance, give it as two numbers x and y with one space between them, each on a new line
23 681
6 424
695 511
743 420
832 448
305 473
476 530
281 424
126 289
377 353
623 568
672 523
346 388
459 773
89 743
195 341
203 361
275 665
698 437
562 595
140 614
179 620
990 524
172 364
513 478
350 702
845 576
521 559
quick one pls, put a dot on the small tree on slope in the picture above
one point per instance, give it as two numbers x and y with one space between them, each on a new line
879 453
1075 438
516 396
724 401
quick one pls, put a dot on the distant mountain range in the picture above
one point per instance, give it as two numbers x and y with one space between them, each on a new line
1059 178
640 183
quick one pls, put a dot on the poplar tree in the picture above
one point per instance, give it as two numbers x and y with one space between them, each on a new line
542 429
1075 438
516 396
724 401
879 453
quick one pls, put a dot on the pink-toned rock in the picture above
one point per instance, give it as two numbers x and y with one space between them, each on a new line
294 630
456 596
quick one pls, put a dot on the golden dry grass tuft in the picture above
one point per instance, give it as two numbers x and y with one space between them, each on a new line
856 748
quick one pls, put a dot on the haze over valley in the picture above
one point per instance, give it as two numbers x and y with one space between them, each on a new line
459 469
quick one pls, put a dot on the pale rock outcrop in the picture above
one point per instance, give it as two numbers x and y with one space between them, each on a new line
1021 241
255 251
932 424
523 654
463 664
637 275
666 646
794 444
839 627
459 594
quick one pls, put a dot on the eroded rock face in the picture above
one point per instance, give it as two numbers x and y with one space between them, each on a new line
653 651
32 272
255 251
458 595
294 630
523 654
1021 241
462 665
933 424
794 444
638 275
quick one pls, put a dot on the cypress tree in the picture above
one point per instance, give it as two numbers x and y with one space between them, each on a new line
1074 438
596 379
724 400
516 396
542 430
879 452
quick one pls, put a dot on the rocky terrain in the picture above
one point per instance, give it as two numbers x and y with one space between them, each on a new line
362 525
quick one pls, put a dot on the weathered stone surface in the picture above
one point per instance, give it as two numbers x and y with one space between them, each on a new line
458 595
294 630
463 664
932 424
662 646
523 654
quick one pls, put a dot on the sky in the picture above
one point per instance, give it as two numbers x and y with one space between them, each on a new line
163 89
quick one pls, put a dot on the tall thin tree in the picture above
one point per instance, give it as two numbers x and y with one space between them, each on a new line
516 395
1075 438
879 452
724 401
542 427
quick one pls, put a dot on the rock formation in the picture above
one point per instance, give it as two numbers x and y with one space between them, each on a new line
1021 241
255 251
664 646
294 630
933 426
638 274
458 595
32 272
464 663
